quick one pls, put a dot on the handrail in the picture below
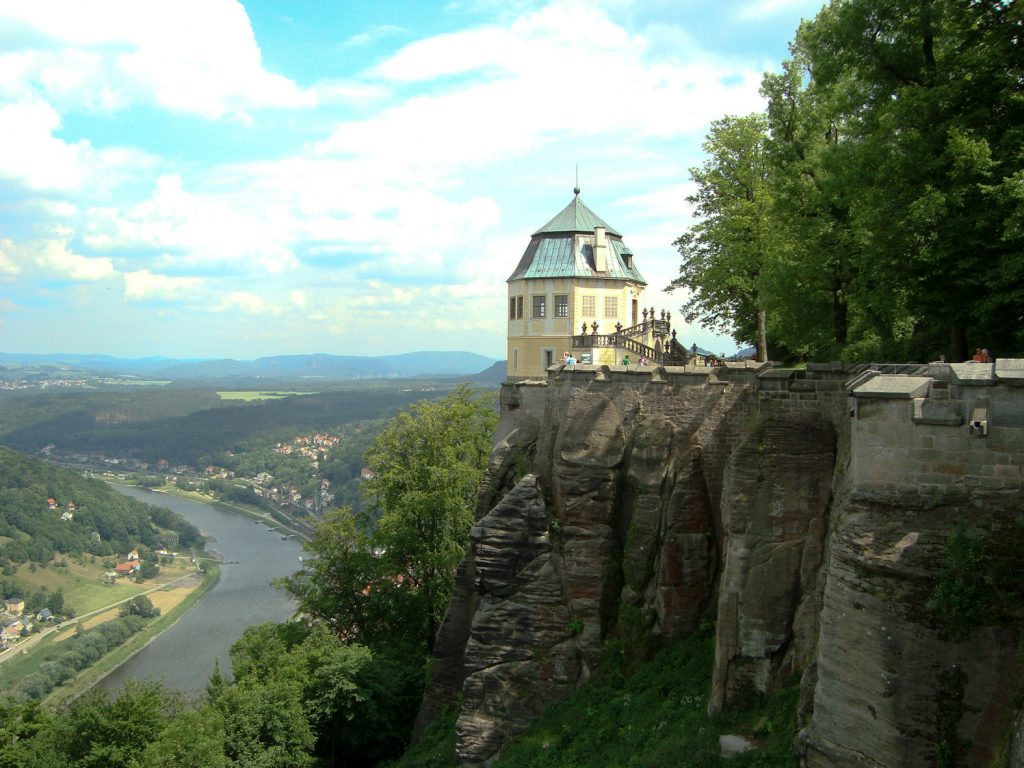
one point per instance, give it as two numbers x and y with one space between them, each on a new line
658 327
675 354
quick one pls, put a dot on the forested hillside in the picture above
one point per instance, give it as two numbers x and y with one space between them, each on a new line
101 522
168 425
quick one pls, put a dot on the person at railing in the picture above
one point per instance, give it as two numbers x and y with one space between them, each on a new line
643 361
625 360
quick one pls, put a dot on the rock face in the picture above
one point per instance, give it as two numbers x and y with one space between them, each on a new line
774 510
885 671
806 512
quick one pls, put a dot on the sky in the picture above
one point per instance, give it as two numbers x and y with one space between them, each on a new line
212 178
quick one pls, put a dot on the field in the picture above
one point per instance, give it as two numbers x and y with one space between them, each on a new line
248 395
83 584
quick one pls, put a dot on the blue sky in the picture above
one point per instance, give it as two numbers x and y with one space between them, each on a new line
208 178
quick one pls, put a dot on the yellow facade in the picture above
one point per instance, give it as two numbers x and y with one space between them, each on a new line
536 342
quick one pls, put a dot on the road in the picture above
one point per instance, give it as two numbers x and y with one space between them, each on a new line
28 642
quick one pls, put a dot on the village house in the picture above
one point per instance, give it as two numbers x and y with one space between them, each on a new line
127 569
51 503
12 630
133 555
14 606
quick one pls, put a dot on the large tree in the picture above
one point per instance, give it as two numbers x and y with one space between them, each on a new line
725 253
891 188
386 576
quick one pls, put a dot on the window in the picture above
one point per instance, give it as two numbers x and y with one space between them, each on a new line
590 306
611 307
519 307
515 358
549 357
561 305
540 306
512 308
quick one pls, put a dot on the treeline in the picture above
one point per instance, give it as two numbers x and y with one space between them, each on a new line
103 522
198 437
874 209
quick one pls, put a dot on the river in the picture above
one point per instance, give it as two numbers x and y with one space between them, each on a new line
184 654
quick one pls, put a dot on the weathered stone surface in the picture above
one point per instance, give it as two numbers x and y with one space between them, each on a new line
881 665
973 374
1010 372
892 387
773 514
521 653
940 412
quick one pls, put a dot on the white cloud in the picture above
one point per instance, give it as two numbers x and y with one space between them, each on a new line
247 302
193 56
143 284
52 257
8 269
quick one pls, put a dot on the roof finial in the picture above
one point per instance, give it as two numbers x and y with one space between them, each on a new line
576 189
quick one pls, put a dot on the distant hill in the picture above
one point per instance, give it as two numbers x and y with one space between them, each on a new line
496 374
278 367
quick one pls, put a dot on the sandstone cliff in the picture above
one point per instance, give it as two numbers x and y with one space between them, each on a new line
804 512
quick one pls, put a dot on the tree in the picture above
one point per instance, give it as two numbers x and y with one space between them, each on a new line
140 605
725 253
427 464
385 576
926 94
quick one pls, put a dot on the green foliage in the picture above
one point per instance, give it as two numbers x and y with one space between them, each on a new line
888 169
105 522
139 606
344 703
427 465
950 747
963 584
979 580
654 718
78 653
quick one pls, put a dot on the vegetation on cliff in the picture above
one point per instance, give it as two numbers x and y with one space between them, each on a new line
653 718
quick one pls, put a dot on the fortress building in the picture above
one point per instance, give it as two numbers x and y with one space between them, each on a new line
577 289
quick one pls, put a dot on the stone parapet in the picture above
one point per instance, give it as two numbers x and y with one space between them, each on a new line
909 434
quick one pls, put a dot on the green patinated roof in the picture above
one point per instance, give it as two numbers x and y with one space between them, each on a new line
575 217
554 256
555 252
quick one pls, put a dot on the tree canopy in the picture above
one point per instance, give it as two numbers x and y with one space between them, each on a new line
385 576
892 188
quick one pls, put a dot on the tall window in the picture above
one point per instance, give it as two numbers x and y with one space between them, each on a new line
611 307
561 305
590 306
515 308
540 306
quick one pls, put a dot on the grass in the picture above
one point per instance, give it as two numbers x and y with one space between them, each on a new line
89 677
657 718
17 667
249 396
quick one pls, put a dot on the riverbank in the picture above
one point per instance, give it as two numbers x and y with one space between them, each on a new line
286 526
94 674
